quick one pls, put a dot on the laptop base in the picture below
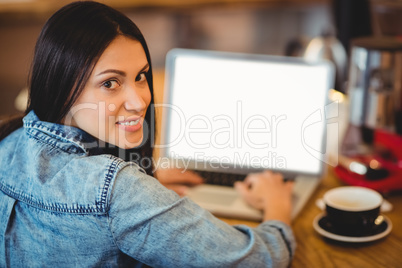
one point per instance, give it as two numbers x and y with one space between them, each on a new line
225 202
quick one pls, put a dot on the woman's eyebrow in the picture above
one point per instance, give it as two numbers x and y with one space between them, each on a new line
122 73
112 71
146 66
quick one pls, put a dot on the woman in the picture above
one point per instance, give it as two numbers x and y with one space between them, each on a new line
68 197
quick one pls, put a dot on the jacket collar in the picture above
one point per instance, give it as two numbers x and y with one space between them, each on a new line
63 133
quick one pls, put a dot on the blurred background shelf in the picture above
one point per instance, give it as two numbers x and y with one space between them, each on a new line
49 6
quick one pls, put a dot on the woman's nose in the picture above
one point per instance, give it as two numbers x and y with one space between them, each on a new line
135 100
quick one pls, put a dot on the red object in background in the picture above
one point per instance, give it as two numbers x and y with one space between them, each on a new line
388 155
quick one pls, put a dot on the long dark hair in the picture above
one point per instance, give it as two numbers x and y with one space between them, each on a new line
68 47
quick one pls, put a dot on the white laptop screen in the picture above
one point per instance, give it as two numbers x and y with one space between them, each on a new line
245 112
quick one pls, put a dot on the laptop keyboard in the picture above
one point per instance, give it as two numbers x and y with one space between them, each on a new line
224 179
219 178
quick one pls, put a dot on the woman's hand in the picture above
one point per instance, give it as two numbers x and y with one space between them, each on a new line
268 192
177 180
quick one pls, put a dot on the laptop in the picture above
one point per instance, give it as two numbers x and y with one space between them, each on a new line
233 113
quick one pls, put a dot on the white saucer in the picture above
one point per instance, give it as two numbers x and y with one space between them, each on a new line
328 234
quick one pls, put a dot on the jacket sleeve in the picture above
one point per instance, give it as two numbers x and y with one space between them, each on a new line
155 226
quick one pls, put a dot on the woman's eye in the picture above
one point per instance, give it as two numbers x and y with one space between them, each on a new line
111 84
141 77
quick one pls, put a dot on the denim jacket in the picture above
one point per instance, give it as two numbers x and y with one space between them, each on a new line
62 207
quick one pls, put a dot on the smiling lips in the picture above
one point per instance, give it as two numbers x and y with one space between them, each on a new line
130 125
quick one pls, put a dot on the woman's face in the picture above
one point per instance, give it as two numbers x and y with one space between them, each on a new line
114 101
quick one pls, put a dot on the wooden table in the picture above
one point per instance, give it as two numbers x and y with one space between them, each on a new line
313 250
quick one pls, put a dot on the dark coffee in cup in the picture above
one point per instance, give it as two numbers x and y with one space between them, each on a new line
352 210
